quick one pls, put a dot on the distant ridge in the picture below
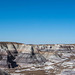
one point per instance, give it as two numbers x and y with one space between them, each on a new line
10 43
2 42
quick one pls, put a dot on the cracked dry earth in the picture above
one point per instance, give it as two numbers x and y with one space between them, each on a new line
56 63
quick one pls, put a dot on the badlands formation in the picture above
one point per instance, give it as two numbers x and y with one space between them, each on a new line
43 59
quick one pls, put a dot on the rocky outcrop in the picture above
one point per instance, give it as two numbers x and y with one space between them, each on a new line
54 59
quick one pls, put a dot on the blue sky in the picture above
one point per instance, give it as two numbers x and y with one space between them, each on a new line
37 21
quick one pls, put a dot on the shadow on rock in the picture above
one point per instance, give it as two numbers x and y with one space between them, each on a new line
3 72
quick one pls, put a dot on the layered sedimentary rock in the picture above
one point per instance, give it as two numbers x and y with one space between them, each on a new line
54 59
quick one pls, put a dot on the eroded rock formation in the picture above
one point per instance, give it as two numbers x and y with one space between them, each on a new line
54 59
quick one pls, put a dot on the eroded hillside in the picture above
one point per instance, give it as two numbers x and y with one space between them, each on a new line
46 59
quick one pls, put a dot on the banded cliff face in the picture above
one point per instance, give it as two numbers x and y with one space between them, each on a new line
23 48
43 49
11 46
54 58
